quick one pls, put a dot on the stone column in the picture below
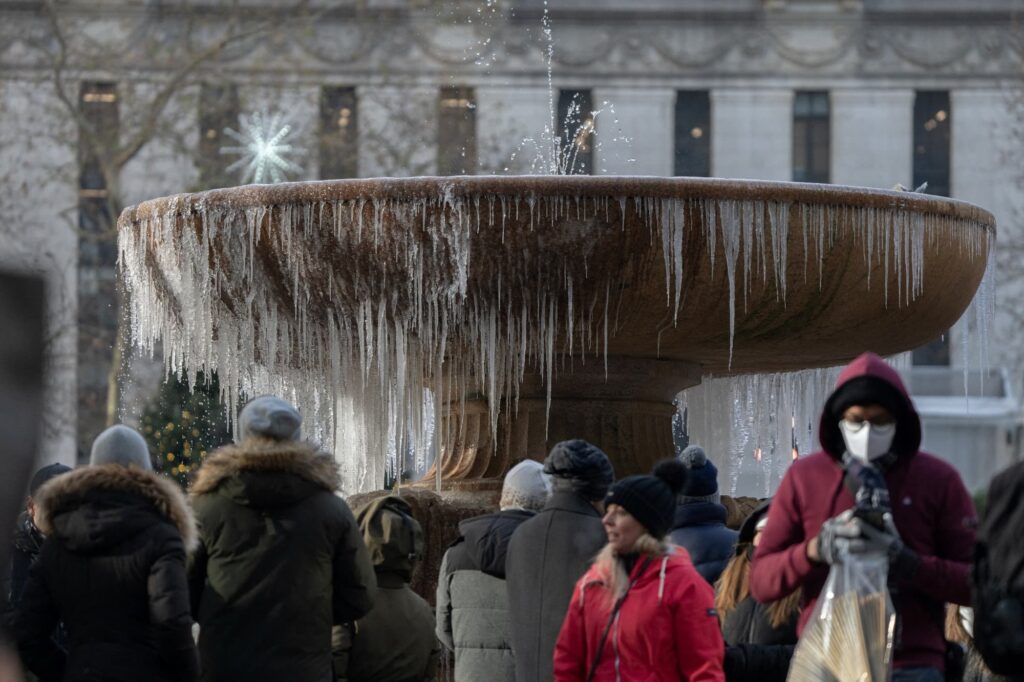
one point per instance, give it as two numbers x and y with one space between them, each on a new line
982 129
397 130
751 134
510 125
872 137
635 130
984 132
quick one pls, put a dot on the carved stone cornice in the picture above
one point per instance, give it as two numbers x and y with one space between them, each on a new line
750 45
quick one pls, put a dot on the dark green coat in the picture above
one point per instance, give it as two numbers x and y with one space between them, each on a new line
395 642
280 561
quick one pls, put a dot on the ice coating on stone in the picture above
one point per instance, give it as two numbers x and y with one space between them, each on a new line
243 291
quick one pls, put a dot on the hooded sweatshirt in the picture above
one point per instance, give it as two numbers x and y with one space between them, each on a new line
932 510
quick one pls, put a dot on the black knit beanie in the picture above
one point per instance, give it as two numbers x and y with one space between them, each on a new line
45 474
581 467
651 499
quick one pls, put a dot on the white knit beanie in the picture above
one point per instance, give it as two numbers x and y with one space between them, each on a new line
526 486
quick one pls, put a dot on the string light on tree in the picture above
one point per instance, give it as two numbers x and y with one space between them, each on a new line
263 147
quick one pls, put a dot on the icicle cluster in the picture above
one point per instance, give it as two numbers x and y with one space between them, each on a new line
753 426
357 308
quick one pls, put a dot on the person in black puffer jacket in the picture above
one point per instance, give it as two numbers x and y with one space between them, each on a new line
699 524
28 539
113 570
759 638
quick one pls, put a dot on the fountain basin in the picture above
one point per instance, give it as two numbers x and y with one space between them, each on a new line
539 292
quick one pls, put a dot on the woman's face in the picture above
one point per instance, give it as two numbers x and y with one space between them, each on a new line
622 528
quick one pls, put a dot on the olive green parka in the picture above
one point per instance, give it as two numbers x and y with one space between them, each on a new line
395 642
280 561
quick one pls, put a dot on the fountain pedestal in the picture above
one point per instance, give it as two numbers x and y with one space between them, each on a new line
626 411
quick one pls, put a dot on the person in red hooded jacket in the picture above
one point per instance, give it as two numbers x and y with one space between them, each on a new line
642 611
869 423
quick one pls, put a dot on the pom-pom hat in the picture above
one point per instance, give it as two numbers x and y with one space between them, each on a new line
651 499
701 477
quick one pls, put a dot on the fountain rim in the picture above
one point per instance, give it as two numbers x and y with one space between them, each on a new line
610 186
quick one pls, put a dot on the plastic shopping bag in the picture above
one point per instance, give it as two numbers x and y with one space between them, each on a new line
849 637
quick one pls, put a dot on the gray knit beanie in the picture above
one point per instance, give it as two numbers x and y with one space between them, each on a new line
121 445
526 486
269 417
702 477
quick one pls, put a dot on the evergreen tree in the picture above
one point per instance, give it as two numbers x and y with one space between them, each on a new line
182 425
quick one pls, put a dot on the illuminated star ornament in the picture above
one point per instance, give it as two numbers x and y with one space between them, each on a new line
263 147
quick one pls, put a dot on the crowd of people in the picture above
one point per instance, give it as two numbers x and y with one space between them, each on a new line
263 572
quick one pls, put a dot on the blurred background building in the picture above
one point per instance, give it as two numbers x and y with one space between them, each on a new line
107 103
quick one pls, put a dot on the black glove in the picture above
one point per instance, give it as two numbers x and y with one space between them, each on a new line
903 561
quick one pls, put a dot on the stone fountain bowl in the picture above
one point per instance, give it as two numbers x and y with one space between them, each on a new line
497 286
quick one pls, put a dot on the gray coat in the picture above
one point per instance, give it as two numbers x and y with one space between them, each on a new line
472 603
546 556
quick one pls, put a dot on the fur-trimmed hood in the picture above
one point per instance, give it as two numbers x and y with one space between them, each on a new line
112 490
263 472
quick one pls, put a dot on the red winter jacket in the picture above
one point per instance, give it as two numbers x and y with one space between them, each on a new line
931 508
667 628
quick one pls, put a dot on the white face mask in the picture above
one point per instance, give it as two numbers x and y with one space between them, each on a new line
867 441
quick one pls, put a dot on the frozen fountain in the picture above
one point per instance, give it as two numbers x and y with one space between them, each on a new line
533 308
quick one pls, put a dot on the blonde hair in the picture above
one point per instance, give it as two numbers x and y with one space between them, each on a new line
613 573
955 630
734 586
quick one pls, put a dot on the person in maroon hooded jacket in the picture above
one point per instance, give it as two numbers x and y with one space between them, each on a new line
869 422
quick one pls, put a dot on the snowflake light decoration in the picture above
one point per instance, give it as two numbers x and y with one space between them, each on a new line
263 147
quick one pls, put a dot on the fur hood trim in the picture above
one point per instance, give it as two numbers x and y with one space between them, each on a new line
67 491
302 459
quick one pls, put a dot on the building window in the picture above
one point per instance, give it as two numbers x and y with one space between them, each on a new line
97 253
339 153
218 109
456 132
811 137
693 133
97 210
576 131
934 353
932 118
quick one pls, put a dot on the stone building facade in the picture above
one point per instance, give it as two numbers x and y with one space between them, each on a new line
858 92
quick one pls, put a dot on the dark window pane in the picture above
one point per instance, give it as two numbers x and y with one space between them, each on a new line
97 309
693 133
456 132
576 131
98 103
932 119
933 353
339 152
218 109
811 137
